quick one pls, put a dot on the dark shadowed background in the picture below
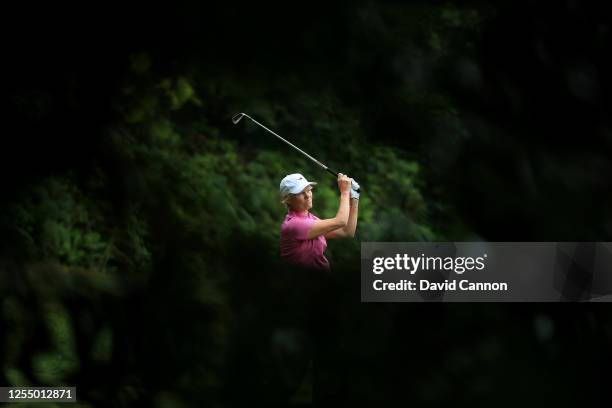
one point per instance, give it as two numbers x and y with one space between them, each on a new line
139 250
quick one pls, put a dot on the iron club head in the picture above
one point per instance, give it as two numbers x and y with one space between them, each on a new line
236 118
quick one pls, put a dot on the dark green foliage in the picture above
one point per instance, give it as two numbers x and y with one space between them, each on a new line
140 256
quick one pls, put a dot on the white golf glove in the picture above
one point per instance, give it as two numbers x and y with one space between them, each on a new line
354 188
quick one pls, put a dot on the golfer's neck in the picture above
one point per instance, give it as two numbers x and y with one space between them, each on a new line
301 212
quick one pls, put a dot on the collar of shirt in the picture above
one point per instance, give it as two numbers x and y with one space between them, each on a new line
298 214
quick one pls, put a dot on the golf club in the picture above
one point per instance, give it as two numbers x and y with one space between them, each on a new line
237 117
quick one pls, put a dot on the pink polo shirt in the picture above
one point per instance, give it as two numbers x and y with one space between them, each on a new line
296 248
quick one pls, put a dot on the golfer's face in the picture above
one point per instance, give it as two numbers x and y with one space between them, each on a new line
303 200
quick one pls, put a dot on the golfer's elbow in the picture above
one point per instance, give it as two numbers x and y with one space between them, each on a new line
341 222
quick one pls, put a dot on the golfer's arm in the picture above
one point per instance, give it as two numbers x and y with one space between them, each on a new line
349 230
322 227
351 225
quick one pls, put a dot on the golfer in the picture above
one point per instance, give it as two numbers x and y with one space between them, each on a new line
303 236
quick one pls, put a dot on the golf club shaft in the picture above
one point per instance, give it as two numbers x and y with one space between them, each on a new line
237 118
294 146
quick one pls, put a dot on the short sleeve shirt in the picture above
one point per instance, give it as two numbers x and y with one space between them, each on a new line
296 248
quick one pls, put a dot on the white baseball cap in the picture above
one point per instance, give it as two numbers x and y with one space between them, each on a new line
294 184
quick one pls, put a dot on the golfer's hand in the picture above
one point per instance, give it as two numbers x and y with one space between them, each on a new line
354 189
344 183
